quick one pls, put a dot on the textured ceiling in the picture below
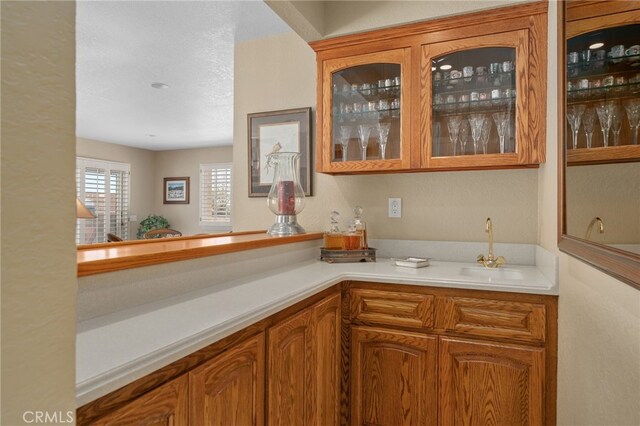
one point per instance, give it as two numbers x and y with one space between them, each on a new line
124 46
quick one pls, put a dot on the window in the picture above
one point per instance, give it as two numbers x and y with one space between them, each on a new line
215 195
103 186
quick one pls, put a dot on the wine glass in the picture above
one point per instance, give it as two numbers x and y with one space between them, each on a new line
364 130
501 119
383 135
484 136
476 121
464 136
345 134
616 123
574 115
633 115
605 113
589 121
453 124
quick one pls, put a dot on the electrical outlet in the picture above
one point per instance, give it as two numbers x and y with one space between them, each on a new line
395 207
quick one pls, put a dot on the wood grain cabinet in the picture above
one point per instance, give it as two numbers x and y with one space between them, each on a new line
167 405
229 389
393 377
303 374
465 92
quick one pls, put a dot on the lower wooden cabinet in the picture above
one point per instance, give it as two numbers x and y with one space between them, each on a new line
167 405
229 389
303 374
393 377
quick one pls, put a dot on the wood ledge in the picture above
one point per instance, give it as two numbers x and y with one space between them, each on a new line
110 257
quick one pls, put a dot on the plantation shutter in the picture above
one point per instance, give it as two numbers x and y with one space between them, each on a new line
215 195
103 187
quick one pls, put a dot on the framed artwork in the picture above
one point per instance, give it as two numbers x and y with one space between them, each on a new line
176 190
278 131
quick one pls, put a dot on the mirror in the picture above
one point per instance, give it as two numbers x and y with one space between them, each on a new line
599 114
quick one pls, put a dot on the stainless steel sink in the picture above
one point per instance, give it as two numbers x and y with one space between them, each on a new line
497 273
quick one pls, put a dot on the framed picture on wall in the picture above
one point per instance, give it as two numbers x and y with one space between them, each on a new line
278 131
176 190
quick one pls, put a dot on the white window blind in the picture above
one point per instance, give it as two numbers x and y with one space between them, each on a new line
103 186
215 195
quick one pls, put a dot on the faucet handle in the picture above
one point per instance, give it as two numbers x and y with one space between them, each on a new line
500 261
480 258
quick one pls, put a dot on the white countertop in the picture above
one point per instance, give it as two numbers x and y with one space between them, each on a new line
115 349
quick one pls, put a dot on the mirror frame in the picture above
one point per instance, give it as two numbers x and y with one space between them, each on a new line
621 264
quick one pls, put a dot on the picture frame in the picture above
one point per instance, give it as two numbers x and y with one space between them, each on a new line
176 190
285 130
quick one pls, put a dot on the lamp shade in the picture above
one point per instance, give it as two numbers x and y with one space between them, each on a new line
82 212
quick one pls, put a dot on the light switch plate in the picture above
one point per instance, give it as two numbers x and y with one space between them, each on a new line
395 207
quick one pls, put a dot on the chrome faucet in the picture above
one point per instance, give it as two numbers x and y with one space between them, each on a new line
490 261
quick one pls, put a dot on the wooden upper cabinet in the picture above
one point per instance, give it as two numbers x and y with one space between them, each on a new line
229 389
490 383
167 405
456 77
365 112
393 377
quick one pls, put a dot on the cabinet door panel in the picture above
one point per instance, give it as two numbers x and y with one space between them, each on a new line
327 344
490 383
290 371
229 389
167 405
393 377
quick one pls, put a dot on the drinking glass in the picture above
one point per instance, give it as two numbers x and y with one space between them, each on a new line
616 123
589 121
476 121
453 124
464 136
605 113
383 135
484 136
501 119
364 130
574 115
633 115
345 134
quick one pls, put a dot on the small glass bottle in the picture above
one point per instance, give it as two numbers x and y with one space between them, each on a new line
333 238
361 227
353 238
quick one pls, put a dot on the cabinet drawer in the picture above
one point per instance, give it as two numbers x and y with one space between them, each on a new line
392 308
492 318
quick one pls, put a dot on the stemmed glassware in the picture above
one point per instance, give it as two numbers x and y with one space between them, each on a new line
345 134
616 123
364 130
605 114
453 124
589 121
476 121
383 135
633 114
574 115
464 136
484 136
501 119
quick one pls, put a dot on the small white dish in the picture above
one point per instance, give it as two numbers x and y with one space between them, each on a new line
412 262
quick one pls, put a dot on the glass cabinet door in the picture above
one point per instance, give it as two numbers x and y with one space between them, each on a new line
603 95
366 118
474 101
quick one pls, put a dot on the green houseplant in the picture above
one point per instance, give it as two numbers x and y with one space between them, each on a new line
153 221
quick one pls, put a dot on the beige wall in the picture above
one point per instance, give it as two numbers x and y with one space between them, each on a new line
436 206
599 316
186 162
38 214
141 200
